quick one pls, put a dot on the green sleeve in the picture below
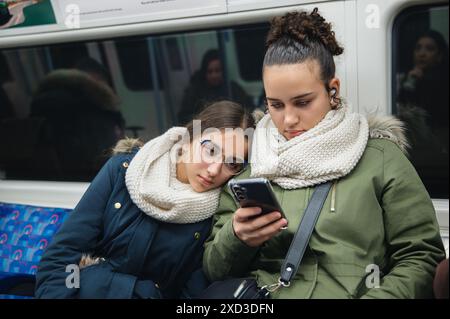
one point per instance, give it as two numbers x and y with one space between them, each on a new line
225 254
414 244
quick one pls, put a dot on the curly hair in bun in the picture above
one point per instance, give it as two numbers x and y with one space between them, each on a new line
300 36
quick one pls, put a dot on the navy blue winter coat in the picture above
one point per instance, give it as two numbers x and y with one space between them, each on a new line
144 258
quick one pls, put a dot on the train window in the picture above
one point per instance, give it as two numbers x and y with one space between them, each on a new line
420 91
135 64
67 56
65 108
250 45
174 54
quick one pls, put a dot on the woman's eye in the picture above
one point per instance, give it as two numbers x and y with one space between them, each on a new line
276 105
211 151
301 103
209 148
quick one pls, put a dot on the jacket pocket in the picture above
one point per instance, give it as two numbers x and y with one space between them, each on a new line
351 277
100 282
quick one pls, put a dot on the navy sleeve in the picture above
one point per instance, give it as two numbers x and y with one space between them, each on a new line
79 234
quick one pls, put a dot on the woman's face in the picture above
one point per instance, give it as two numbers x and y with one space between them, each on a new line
214 74
426 53
296 96
211 160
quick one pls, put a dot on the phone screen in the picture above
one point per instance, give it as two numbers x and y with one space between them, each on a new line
255 192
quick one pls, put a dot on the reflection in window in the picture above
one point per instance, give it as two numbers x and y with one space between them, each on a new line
250 46
68 55
421 99
83 97
208 84
135 64
174 54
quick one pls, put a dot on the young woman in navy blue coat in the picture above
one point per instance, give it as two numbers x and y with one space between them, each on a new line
139 229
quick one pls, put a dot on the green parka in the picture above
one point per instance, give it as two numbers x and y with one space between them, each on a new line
382 217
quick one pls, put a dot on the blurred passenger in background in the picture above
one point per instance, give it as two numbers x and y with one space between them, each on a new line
423 104
208 85
96 70
426 84
82 122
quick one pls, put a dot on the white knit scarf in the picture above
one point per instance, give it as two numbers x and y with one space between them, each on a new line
326 152
153 187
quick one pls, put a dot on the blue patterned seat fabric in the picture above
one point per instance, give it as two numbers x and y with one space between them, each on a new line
25 232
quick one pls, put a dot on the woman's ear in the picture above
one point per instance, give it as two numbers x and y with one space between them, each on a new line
334 86
333 93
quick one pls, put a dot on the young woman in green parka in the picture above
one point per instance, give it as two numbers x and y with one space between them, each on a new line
378 214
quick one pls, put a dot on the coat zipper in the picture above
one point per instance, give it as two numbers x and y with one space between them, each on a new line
333 198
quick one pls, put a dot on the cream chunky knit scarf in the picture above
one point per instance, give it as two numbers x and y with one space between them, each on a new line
153 187
326 152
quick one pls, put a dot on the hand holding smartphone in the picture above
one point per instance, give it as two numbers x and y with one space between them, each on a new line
255 192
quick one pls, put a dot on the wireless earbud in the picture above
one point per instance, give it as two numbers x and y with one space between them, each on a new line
333 101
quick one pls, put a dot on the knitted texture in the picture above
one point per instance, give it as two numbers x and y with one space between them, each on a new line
326 152
153 187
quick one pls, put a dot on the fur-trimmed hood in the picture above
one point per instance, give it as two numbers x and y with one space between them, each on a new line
390 128
127 145
80 83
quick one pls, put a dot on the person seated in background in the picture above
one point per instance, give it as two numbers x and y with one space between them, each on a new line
426 84
96 70
208 85
423 104
82 121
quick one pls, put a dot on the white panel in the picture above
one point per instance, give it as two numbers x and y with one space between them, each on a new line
45 194
108 12
81 14
349 87
442 214
244 5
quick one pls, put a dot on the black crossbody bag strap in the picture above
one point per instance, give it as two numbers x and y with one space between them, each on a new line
303 234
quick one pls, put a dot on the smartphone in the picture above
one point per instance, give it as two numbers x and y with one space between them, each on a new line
255 192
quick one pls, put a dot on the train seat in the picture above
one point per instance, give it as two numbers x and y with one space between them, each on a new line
25 232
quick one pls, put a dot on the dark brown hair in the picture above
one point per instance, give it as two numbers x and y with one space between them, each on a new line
222 114
297 37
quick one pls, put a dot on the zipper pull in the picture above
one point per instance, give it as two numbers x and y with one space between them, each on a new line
333 198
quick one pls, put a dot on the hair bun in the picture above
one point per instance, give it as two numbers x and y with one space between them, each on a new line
303 27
